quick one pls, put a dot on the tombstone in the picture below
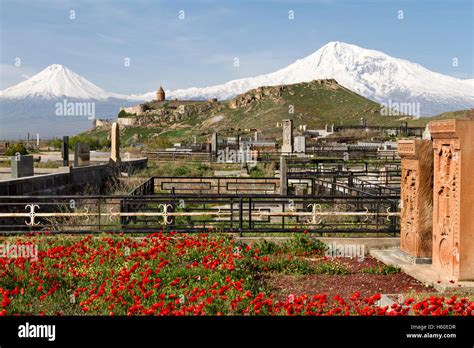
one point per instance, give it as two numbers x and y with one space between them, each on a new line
243 160
21 166
300 144
283 178
453 198
416 198
287 146
255 138
214 144
82 154
115 143
65 151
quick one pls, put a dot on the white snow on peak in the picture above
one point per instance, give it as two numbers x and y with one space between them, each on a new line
57 81
372 74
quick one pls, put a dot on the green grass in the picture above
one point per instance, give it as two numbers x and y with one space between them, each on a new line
384 269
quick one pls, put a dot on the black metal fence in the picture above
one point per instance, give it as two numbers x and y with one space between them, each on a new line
197 213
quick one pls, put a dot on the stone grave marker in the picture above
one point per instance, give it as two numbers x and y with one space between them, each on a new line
453 198
21 166
416 197
82 154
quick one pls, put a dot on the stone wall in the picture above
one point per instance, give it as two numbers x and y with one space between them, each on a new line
128 121
134 110
67 183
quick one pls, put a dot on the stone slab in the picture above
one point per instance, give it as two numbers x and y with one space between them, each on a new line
21 166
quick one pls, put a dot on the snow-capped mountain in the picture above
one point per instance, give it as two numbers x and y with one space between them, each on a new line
57 81
31 106
370 73
56 102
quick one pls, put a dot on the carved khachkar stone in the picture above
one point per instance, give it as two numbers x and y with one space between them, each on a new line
453 198
115 143
416 230
287 146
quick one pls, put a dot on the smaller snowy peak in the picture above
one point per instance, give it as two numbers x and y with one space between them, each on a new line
57 81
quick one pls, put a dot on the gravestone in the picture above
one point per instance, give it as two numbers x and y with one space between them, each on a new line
21 166
300 144
214 144
453 198
287 146
243 160
82 154
283 178
115 143
416 197
65 151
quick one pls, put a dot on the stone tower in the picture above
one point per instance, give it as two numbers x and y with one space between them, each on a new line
160 94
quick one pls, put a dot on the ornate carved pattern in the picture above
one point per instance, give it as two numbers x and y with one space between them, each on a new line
409 210
446 198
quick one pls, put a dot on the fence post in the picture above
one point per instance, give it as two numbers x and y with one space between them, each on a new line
283 217
231 213
98 208
241 216
250 213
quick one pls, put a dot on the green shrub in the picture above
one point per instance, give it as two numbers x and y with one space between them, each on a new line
301 244
12 150
180 171
266 247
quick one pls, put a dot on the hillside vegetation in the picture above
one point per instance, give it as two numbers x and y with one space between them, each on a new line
315 104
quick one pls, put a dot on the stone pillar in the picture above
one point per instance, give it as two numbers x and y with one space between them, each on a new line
453 198
82 154
416 198
21 166
115 143
65 151
287 146
243 160
283 178
214 145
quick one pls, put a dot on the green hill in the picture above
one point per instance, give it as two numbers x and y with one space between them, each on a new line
313 104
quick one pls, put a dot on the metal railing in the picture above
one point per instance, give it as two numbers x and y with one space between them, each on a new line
197 213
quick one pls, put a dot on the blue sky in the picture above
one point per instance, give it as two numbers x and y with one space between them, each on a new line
199 50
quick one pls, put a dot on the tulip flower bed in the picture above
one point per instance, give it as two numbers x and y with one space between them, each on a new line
175 274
